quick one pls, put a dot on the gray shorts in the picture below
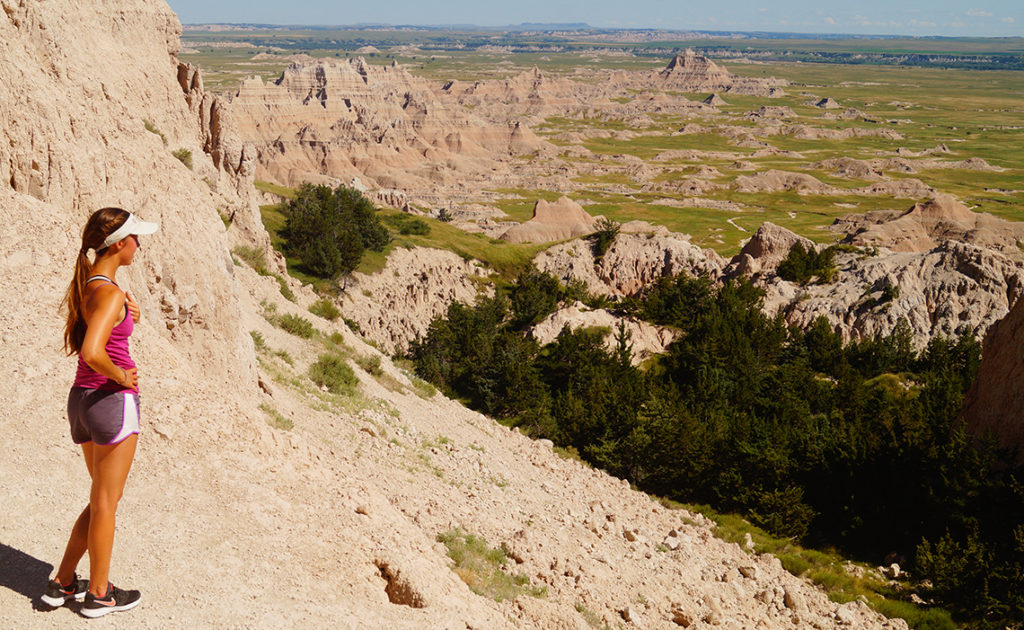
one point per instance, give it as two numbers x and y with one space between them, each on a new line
101 416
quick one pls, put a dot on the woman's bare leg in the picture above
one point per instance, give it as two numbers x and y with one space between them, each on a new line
78 542
110 466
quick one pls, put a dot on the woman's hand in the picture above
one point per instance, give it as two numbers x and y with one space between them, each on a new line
133 307
131 378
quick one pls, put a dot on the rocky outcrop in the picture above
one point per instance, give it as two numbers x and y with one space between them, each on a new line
645 339
552 222
929 223
327 122
633 262
955 286
995 403
768 247
397 304
90 113
690 72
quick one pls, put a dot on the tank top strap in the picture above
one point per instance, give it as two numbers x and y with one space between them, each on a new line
100 277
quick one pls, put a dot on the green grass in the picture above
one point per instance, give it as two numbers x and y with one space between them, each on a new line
296 325
480 567
325 308
276 419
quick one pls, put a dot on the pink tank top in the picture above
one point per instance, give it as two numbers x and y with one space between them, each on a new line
117 349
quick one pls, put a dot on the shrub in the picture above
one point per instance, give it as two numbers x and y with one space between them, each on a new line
326 309
329 229
184 156
298 326
371 364
408 224
603 238
331 371
151 128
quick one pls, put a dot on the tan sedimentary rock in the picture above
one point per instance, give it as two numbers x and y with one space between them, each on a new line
552 221
328 121
769 246
927 224
690 72
396 305
646 339
939 286
995 403
633 262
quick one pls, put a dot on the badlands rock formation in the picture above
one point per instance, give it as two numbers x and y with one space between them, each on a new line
397 304
334 521
552 222
646 339
330 121
927 224
631 263
995 403
938 265
690 72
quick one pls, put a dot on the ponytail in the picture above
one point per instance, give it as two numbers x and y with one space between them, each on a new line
101 224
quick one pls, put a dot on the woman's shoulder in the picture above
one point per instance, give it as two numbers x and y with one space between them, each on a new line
106 294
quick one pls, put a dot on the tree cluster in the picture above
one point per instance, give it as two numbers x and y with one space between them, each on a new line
328 230
854 445
801 264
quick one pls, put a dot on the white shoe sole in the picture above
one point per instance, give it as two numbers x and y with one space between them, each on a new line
92 613
55 602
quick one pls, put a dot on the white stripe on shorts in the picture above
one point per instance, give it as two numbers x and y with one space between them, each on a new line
130 423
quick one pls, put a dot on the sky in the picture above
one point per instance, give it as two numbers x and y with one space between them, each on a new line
964 18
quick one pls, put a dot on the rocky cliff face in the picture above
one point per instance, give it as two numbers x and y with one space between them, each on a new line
326 122
995 403
91 111
396 305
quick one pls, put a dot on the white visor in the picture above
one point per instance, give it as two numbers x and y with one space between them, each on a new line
133 225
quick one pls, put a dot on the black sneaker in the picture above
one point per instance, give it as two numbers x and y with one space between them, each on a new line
57 595
114 601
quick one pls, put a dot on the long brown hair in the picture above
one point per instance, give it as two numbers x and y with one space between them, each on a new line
100 225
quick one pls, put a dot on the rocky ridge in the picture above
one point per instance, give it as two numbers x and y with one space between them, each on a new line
327 122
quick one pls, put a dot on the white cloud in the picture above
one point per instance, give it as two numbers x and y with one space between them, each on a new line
922 23
957 23
978 13
830 20
1006 20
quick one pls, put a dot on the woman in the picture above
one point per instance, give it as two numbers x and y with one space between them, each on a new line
102 405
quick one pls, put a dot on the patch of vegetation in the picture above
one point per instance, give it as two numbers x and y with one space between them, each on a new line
328 230
276 419
841 580
325 308
151 128
604 236
296 325
257 339
184 156
802 264
371 364
334 373
480 567
254 257
407 224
